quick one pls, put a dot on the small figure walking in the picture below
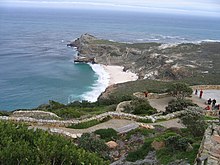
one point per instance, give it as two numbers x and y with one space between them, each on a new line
200 94
196 91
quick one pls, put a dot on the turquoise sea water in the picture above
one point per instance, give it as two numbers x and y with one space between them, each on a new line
36 66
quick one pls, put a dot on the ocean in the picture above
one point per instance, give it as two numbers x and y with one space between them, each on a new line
36 65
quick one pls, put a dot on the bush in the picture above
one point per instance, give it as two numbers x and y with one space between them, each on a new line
68 113
194 121
177 143
92 143
5 113
180 90
114 99
141 152
178 105
107 134
20 145
141 106
88 123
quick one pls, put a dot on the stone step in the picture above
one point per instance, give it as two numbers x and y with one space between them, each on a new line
127 128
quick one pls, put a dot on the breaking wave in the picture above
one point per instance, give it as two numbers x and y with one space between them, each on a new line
100 85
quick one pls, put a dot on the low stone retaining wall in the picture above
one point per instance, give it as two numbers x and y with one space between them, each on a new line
65 123
210 146
151 95
211 112
206 87
39 114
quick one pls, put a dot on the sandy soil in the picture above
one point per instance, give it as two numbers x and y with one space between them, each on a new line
117 75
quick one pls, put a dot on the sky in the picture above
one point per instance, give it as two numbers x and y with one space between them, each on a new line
191 7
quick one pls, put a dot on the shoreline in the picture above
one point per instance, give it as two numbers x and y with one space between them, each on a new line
117 75
107 75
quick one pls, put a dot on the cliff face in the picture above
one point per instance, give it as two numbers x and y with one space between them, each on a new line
153 60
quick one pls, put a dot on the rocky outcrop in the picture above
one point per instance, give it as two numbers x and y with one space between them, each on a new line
153 60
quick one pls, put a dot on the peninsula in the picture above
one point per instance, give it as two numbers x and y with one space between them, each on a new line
199 61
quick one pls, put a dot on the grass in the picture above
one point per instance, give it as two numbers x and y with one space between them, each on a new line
210 118
144 120
88 123
165 156
124 91
76 109
107 134
141 152
142 131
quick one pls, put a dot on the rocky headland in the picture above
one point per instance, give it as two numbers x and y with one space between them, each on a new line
153 60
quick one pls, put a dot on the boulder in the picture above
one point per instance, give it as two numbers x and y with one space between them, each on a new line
146 126
158 145
111 144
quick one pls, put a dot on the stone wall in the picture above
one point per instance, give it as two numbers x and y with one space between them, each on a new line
151 95
65 123
206 87
210 146
35 114
211 112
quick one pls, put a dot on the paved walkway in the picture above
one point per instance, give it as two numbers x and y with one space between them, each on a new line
161 103
120 125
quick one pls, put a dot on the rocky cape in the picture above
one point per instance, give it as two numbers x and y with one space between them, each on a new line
152 60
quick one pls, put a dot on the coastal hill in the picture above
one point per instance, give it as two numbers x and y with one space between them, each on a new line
154 60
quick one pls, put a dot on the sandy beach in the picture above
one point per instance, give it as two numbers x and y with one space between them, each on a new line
117 75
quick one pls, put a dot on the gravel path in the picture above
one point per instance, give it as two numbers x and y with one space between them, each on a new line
122 125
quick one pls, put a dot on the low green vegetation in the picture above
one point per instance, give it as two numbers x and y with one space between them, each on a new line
195 122
92 143
140 107
141 131
88 123
211 118
165 156
141 152
178 105
178 144
20 145
76 109
144 120
124 91
107 134
180 90
5 113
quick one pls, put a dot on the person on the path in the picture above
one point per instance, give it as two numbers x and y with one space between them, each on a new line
209 101
200 94
213 102
196 92
145 94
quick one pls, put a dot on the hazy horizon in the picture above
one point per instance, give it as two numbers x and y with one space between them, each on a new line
188 7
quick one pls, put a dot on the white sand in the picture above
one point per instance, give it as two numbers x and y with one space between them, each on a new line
117 75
